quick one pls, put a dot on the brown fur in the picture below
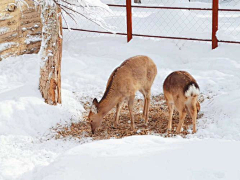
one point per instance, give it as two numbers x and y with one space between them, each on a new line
135 74
174 87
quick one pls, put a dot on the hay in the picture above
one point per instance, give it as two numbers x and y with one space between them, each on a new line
158 120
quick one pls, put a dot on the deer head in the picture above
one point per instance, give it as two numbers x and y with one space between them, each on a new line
94 116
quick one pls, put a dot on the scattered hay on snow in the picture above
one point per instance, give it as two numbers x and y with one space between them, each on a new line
158 120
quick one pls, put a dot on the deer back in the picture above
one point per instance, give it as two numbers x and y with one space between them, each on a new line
181 83
132 75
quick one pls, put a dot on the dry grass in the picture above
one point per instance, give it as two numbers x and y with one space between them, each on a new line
158 120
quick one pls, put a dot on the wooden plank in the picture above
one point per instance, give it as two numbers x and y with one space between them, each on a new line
30 16
10 49
12 24
30 48
6 3
31 10
31 26
11 36
28 21
32 32
9 52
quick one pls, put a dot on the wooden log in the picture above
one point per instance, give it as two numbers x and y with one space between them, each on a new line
50 72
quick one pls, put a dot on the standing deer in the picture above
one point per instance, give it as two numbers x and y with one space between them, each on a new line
181 91
134 74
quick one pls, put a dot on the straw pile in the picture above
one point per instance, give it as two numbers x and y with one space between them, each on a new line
158 120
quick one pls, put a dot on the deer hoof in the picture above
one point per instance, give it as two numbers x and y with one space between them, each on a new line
133 128
114 126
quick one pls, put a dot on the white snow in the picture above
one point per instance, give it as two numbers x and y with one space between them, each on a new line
4 30
86 67
28 151
7 45
4 16
32 39
145 157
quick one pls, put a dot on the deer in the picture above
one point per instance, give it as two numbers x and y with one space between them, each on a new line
134 74
181 92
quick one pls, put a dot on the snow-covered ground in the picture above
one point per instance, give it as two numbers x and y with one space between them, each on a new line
28 152
146 157
87 63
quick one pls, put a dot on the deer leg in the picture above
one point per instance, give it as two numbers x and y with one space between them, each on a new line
170 108
193 113
144 105
130 107
182 115
144 109
119 106
148 99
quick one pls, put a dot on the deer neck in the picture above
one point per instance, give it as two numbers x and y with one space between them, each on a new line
106 104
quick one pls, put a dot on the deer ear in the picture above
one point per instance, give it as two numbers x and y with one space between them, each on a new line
94 107
95 102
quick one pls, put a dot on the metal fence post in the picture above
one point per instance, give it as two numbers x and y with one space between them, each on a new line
129 19
215 7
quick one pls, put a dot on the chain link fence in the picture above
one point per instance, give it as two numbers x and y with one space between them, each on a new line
229 20
178 20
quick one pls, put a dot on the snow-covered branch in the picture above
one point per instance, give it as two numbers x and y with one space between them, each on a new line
89 9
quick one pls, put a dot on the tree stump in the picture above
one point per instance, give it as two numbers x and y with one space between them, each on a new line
51 51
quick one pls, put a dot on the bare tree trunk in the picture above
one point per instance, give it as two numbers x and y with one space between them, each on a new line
137 1
51 51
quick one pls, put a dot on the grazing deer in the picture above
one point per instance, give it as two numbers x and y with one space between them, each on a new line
134 74
181 91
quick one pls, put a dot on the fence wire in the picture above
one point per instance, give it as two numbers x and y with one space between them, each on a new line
149 20
173 23
116 20
229 26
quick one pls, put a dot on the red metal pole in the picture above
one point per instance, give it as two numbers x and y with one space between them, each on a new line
129 20
215 9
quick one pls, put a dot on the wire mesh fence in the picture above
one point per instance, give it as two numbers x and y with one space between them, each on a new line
173 23
116 20
229 26
168 19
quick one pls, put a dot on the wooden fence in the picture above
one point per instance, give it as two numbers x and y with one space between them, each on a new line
20 28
